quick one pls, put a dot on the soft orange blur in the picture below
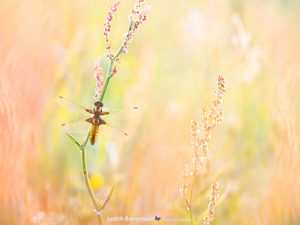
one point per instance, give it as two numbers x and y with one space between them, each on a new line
47 49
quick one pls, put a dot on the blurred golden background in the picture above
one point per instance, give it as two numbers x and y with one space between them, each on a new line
47 49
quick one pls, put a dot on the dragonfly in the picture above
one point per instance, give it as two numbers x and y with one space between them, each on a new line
95 122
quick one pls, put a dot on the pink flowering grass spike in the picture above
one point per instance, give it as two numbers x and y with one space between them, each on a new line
142 16
114 70
196 145
211 117
112 9
213 195
184 186
128 36
99 76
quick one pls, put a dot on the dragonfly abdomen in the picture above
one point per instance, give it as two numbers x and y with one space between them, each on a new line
94 134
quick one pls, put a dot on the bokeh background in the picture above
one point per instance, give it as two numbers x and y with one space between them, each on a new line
47 49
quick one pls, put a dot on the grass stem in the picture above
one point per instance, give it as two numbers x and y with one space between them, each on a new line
86 177
88 185
107 79
191 196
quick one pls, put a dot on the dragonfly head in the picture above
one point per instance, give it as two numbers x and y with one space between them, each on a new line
98 104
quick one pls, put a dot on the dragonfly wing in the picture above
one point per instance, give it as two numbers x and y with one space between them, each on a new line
109 131
80 127
120 114
72 106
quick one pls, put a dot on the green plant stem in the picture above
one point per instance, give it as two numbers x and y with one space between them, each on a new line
130 24
85 140
86 177
100 219
121 47
191 196
110 66
107 79
118 52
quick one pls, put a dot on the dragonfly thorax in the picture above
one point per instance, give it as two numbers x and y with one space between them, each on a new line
97 115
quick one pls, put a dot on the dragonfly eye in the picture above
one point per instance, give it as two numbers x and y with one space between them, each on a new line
98 103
